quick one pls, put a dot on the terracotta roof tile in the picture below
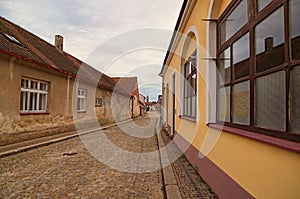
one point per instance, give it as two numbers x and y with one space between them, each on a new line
35 49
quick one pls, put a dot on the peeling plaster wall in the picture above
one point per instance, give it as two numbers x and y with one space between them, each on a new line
62 95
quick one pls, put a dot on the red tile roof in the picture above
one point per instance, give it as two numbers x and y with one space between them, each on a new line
130 83
34 49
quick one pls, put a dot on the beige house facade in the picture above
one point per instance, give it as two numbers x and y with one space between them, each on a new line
46 91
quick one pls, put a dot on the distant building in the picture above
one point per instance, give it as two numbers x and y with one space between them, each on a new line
44 90
142 104
130 84
231 80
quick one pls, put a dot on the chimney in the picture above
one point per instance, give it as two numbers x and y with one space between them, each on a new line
269 44
59 42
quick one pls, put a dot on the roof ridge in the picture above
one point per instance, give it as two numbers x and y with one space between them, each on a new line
36 46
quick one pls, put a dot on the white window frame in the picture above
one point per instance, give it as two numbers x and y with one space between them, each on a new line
191 29
81 100
31 96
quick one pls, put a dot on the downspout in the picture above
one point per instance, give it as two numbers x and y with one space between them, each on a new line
132 102
68 95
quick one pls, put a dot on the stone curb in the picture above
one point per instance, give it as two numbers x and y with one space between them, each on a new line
170 182
52 141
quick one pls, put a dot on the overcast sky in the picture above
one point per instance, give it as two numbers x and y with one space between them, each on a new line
102 32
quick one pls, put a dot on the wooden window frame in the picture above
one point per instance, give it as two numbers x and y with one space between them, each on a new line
254 18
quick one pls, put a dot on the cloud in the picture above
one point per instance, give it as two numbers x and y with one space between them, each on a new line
86 25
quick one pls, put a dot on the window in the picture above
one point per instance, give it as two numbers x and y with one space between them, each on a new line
261 4
81 100
98 102
237 19
12 38
190 86
33 96
295 29
258 68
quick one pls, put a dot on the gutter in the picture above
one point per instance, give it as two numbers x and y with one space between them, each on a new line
173 36
99 85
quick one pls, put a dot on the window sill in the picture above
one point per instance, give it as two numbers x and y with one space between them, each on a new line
191 119
81 111
34 113
281 143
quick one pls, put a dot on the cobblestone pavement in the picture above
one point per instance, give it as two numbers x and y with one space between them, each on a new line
190 184
68 170
107 164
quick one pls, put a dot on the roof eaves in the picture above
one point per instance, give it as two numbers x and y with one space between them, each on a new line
173 37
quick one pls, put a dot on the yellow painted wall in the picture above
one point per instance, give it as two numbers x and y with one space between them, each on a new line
263 170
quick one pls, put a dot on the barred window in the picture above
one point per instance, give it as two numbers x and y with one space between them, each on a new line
34 96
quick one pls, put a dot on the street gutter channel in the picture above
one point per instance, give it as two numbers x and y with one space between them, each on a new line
52 141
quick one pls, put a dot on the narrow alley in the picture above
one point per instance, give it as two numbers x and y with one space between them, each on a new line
67 169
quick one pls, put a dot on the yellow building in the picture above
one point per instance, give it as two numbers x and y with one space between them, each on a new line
230 95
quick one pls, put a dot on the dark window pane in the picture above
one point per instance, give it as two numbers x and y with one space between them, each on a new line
237 19
23 101
262 3
42 102
224 66
240 56
187 69
241 103
269 39
194 84
224 104
270 101
295 28
295 100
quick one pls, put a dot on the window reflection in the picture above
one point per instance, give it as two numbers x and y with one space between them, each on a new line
295 28
262 3
237 19
269 39
241 57
224 66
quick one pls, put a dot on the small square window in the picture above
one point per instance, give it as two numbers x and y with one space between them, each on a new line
98 102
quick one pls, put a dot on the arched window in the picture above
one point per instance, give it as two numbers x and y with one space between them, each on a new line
189 75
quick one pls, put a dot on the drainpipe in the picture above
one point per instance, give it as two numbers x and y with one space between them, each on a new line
132 101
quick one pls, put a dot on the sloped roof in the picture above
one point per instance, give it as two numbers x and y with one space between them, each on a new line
31 48
130 84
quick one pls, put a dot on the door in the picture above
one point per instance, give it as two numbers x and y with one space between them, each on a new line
173 105
167 105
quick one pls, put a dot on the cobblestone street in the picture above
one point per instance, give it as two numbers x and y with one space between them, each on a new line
68 170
